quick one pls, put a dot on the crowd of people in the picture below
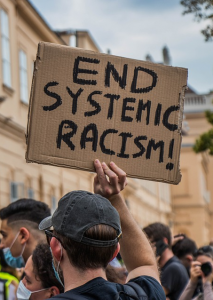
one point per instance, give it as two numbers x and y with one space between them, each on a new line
91 248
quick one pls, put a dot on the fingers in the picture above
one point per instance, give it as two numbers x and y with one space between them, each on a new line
195 269
117 176
120 173
117 179
100 173
113 178
196 264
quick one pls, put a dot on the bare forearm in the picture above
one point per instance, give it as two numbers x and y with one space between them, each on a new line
135 248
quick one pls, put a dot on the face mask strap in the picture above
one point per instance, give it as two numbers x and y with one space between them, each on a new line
32 292
14 240
58 267
59 260
23 249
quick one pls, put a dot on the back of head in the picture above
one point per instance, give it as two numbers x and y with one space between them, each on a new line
25 210
184 247
85 257
158 231
42 267
91 239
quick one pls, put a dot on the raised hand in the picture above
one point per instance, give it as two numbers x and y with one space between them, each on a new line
110 180
195 271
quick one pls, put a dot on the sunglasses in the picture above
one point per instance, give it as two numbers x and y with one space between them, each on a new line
50 235
206 250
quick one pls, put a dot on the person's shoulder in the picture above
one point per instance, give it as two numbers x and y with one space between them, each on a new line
175 264
150 286
174 270
68 296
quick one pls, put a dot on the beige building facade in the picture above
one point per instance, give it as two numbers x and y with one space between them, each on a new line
192 199
21 29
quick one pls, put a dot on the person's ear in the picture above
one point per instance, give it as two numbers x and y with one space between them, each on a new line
56 248
189 257
54 291
116 252
165 240
24 235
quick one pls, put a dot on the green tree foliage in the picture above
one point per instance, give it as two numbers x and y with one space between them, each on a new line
202 10
205 141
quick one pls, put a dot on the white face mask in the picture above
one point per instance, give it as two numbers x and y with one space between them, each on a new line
23 293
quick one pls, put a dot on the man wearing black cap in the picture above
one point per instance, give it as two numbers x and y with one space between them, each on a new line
87 235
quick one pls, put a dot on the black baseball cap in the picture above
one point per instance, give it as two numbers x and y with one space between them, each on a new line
80 210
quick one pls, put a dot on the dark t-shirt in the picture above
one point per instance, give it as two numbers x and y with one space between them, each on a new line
174 277
100 289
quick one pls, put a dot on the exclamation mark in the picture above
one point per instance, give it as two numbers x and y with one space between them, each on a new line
170 166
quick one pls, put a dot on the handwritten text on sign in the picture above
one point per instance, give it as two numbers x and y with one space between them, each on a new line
86 105
90 132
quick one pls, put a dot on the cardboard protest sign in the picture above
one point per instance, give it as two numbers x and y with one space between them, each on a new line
86 105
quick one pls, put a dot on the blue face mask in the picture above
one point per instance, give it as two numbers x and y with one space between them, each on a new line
14 262
56 271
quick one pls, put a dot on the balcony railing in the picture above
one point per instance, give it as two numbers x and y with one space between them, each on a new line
197 103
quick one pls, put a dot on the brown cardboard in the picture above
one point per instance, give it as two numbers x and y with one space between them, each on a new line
61 133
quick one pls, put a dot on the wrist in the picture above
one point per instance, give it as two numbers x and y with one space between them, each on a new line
194 280
206 280
115 198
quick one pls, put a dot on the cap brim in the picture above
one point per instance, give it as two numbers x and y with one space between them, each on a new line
46 223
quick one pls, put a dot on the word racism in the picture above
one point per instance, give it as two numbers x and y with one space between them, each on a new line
133 109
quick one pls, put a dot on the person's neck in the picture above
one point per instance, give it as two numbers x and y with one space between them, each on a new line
74 278
167 254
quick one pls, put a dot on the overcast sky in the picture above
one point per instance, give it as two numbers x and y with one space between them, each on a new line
135 28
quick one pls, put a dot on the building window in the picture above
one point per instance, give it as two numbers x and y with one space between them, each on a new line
5 48
16 191
30 193
23 76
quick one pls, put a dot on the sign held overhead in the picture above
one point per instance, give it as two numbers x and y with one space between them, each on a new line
86 105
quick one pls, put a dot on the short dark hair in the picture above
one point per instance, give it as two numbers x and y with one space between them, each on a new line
86 257
184 247
42 267
157 231
25 210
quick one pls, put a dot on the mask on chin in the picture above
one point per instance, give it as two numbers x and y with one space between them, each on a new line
14 262
23 293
